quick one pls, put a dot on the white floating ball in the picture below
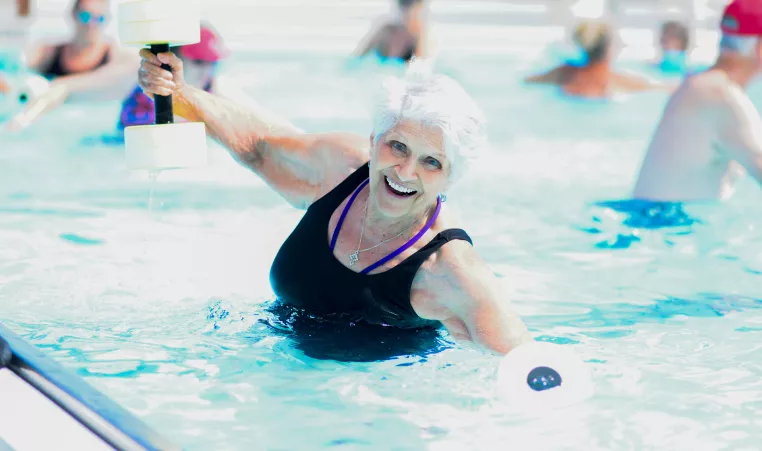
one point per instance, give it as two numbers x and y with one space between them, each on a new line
539 376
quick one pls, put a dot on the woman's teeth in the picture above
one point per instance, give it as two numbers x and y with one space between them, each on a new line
399 188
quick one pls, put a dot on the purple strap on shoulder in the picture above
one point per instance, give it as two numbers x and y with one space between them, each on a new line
344 213
409 243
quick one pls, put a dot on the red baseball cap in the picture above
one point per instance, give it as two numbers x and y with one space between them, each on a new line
743 18
210 48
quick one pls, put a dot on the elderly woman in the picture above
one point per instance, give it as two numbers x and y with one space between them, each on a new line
376 242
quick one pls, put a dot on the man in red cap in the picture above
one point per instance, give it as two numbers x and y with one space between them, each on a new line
710 131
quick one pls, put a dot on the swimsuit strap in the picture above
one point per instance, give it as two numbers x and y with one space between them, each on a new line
344 213
409 243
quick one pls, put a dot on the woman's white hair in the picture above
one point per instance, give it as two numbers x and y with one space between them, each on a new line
434 101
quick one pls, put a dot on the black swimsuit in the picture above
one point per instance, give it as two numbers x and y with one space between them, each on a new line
305 274
57 69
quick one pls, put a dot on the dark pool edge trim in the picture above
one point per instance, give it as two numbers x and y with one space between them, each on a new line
94 410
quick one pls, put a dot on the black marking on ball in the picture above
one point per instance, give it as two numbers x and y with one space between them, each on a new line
543 378
23 98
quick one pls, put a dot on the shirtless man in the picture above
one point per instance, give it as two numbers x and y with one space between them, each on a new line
710 130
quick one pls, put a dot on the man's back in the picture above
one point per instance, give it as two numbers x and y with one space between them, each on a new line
690 157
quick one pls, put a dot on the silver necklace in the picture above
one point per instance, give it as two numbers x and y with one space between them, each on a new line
354 256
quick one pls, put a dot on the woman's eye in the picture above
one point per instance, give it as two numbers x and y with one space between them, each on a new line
398 146
433 162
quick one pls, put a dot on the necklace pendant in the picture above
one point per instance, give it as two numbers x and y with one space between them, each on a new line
353 258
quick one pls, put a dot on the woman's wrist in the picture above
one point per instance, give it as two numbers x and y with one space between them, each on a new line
184 103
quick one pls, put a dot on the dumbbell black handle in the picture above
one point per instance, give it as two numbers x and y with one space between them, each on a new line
162 104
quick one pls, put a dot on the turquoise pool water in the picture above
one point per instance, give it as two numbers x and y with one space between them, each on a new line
163 309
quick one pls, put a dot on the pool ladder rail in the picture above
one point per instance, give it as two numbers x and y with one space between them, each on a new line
44 406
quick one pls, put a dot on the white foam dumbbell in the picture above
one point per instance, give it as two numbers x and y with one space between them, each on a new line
161 24
543 376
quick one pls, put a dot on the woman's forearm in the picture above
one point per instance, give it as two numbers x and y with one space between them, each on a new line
239 128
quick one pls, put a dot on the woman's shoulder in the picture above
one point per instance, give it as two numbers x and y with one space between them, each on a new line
338 158
452 242
450 216
448 273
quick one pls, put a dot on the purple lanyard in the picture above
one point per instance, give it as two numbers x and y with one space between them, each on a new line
399 250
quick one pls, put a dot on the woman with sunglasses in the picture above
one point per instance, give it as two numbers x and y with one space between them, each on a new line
89 66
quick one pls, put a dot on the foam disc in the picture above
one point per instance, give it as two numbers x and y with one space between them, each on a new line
167 146
540 375
152 10
173 31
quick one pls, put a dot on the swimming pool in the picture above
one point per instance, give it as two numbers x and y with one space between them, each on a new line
161 309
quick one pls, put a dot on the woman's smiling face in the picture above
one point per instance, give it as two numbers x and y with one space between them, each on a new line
408 169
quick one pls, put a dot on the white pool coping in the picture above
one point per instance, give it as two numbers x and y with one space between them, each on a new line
29 421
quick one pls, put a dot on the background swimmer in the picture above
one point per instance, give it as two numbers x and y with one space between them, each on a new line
403 37
592 76
674 43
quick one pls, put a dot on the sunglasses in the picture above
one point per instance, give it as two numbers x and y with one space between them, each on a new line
86 17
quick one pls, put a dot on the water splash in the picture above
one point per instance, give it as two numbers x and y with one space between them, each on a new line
153 176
